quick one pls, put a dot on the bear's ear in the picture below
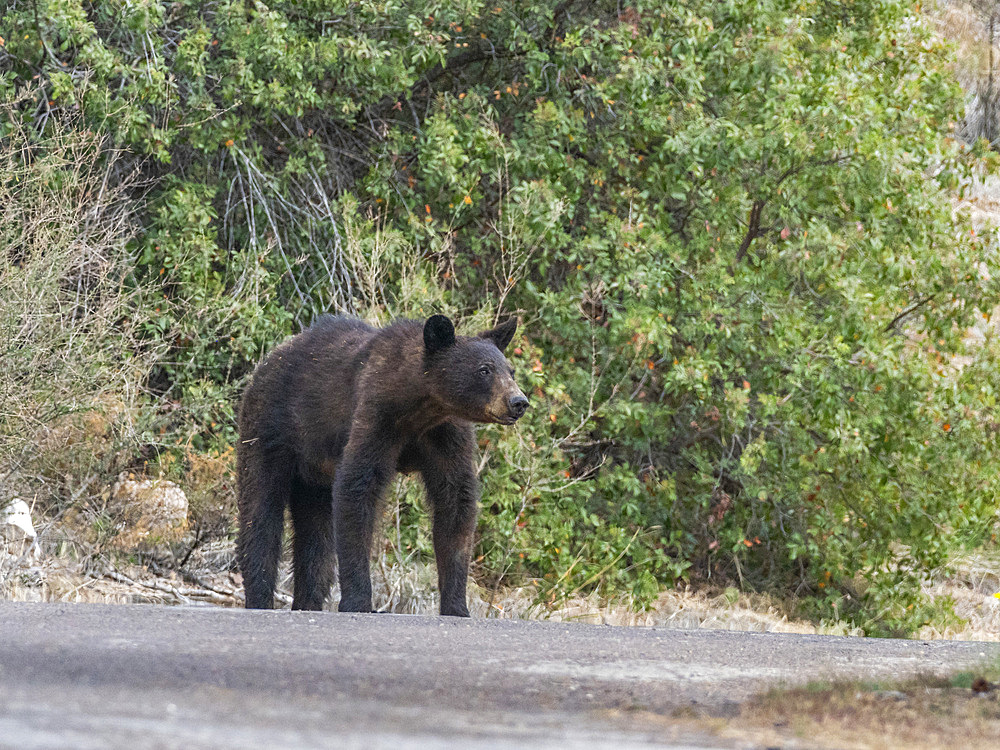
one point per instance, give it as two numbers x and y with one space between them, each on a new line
439 333
502 334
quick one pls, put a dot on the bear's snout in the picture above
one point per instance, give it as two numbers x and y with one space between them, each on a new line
517 405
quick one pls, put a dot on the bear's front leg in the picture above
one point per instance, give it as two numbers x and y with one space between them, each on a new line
449 474
362 476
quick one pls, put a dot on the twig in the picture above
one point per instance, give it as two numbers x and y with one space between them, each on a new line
185 594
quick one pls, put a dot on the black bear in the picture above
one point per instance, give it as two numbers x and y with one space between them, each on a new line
328 419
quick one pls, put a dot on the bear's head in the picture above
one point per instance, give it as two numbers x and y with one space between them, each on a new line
470 374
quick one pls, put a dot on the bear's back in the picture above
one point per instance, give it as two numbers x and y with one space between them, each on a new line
339 332
317 366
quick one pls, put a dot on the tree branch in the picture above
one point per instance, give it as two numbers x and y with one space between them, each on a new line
753 229
806 164
468 57
916 305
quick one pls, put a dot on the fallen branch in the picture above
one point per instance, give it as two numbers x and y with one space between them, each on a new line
203 593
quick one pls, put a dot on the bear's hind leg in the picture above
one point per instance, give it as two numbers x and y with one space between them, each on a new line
313 548
263 494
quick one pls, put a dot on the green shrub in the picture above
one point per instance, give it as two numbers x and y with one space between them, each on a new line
727 227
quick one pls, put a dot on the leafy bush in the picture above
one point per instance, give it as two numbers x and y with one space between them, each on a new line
727 228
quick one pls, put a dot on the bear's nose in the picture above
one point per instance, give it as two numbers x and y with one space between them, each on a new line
518 405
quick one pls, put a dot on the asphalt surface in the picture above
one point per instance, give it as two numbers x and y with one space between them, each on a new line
105 676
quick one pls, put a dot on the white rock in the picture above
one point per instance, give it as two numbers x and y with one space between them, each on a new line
15 522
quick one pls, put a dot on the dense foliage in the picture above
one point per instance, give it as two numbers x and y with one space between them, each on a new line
726 227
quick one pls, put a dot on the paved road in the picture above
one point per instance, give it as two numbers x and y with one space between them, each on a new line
96 676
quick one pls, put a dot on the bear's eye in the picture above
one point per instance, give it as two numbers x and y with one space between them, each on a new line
484 370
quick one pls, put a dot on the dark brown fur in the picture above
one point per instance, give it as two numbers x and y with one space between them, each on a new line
329 418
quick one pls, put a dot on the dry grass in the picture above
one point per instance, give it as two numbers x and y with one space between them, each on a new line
64 566
965 25
71 563
982 202
682 609
926 713
972 585
71 355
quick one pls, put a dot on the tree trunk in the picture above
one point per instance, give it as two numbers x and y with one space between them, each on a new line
989 110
